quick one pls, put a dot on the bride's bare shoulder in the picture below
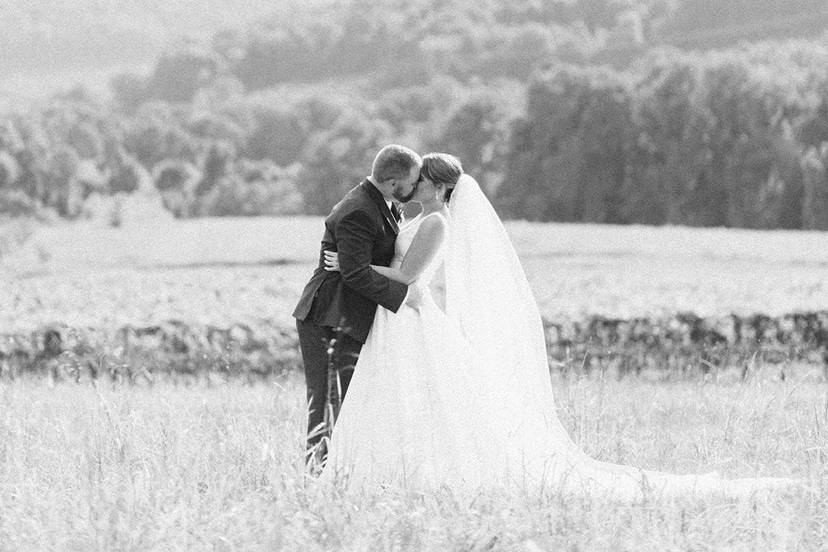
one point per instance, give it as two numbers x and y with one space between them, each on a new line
440 216
433 225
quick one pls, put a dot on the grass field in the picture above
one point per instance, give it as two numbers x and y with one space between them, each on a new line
173 467
247 270
177 468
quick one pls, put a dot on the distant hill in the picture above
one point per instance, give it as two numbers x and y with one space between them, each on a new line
706 24
47 44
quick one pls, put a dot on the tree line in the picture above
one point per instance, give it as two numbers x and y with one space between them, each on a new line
737 139
226 153
285 117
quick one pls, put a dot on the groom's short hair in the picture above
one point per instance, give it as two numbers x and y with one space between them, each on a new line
394 161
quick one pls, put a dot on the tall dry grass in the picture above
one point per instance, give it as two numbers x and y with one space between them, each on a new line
220 468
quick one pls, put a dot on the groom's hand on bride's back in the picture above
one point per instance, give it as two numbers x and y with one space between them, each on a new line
332 261
414 299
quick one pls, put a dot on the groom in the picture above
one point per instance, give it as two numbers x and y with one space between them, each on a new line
336 309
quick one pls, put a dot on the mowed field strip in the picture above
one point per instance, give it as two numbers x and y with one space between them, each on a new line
228 270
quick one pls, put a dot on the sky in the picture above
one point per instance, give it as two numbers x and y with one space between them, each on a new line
49 45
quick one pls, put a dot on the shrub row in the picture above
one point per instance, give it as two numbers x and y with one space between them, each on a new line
687 343
680 345
169 350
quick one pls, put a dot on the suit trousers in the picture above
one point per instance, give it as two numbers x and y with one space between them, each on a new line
329 357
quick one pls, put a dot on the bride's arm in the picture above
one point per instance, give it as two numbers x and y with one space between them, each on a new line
390 273
423 248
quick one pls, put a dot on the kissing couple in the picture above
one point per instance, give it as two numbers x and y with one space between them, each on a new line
431 328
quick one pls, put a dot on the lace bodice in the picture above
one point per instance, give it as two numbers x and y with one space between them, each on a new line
432 275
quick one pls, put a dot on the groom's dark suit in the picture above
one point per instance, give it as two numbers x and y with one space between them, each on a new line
341 305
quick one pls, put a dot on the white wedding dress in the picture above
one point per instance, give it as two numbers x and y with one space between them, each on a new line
462 399
407 418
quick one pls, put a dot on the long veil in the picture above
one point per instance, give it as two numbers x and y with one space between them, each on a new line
488 296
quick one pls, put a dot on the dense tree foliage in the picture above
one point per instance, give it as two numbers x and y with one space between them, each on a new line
723 139
284 117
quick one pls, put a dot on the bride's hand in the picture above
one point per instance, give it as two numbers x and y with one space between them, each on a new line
331 261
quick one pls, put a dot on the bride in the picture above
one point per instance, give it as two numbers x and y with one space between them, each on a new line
456 393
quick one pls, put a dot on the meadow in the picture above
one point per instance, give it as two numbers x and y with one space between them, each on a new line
225 270
178 468
182 465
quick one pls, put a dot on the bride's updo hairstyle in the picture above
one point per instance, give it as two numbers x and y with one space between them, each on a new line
442 168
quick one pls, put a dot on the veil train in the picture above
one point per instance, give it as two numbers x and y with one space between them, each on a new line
488 296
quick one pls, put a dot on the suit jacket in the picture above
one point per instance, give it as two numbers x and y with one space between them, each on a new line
363 230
